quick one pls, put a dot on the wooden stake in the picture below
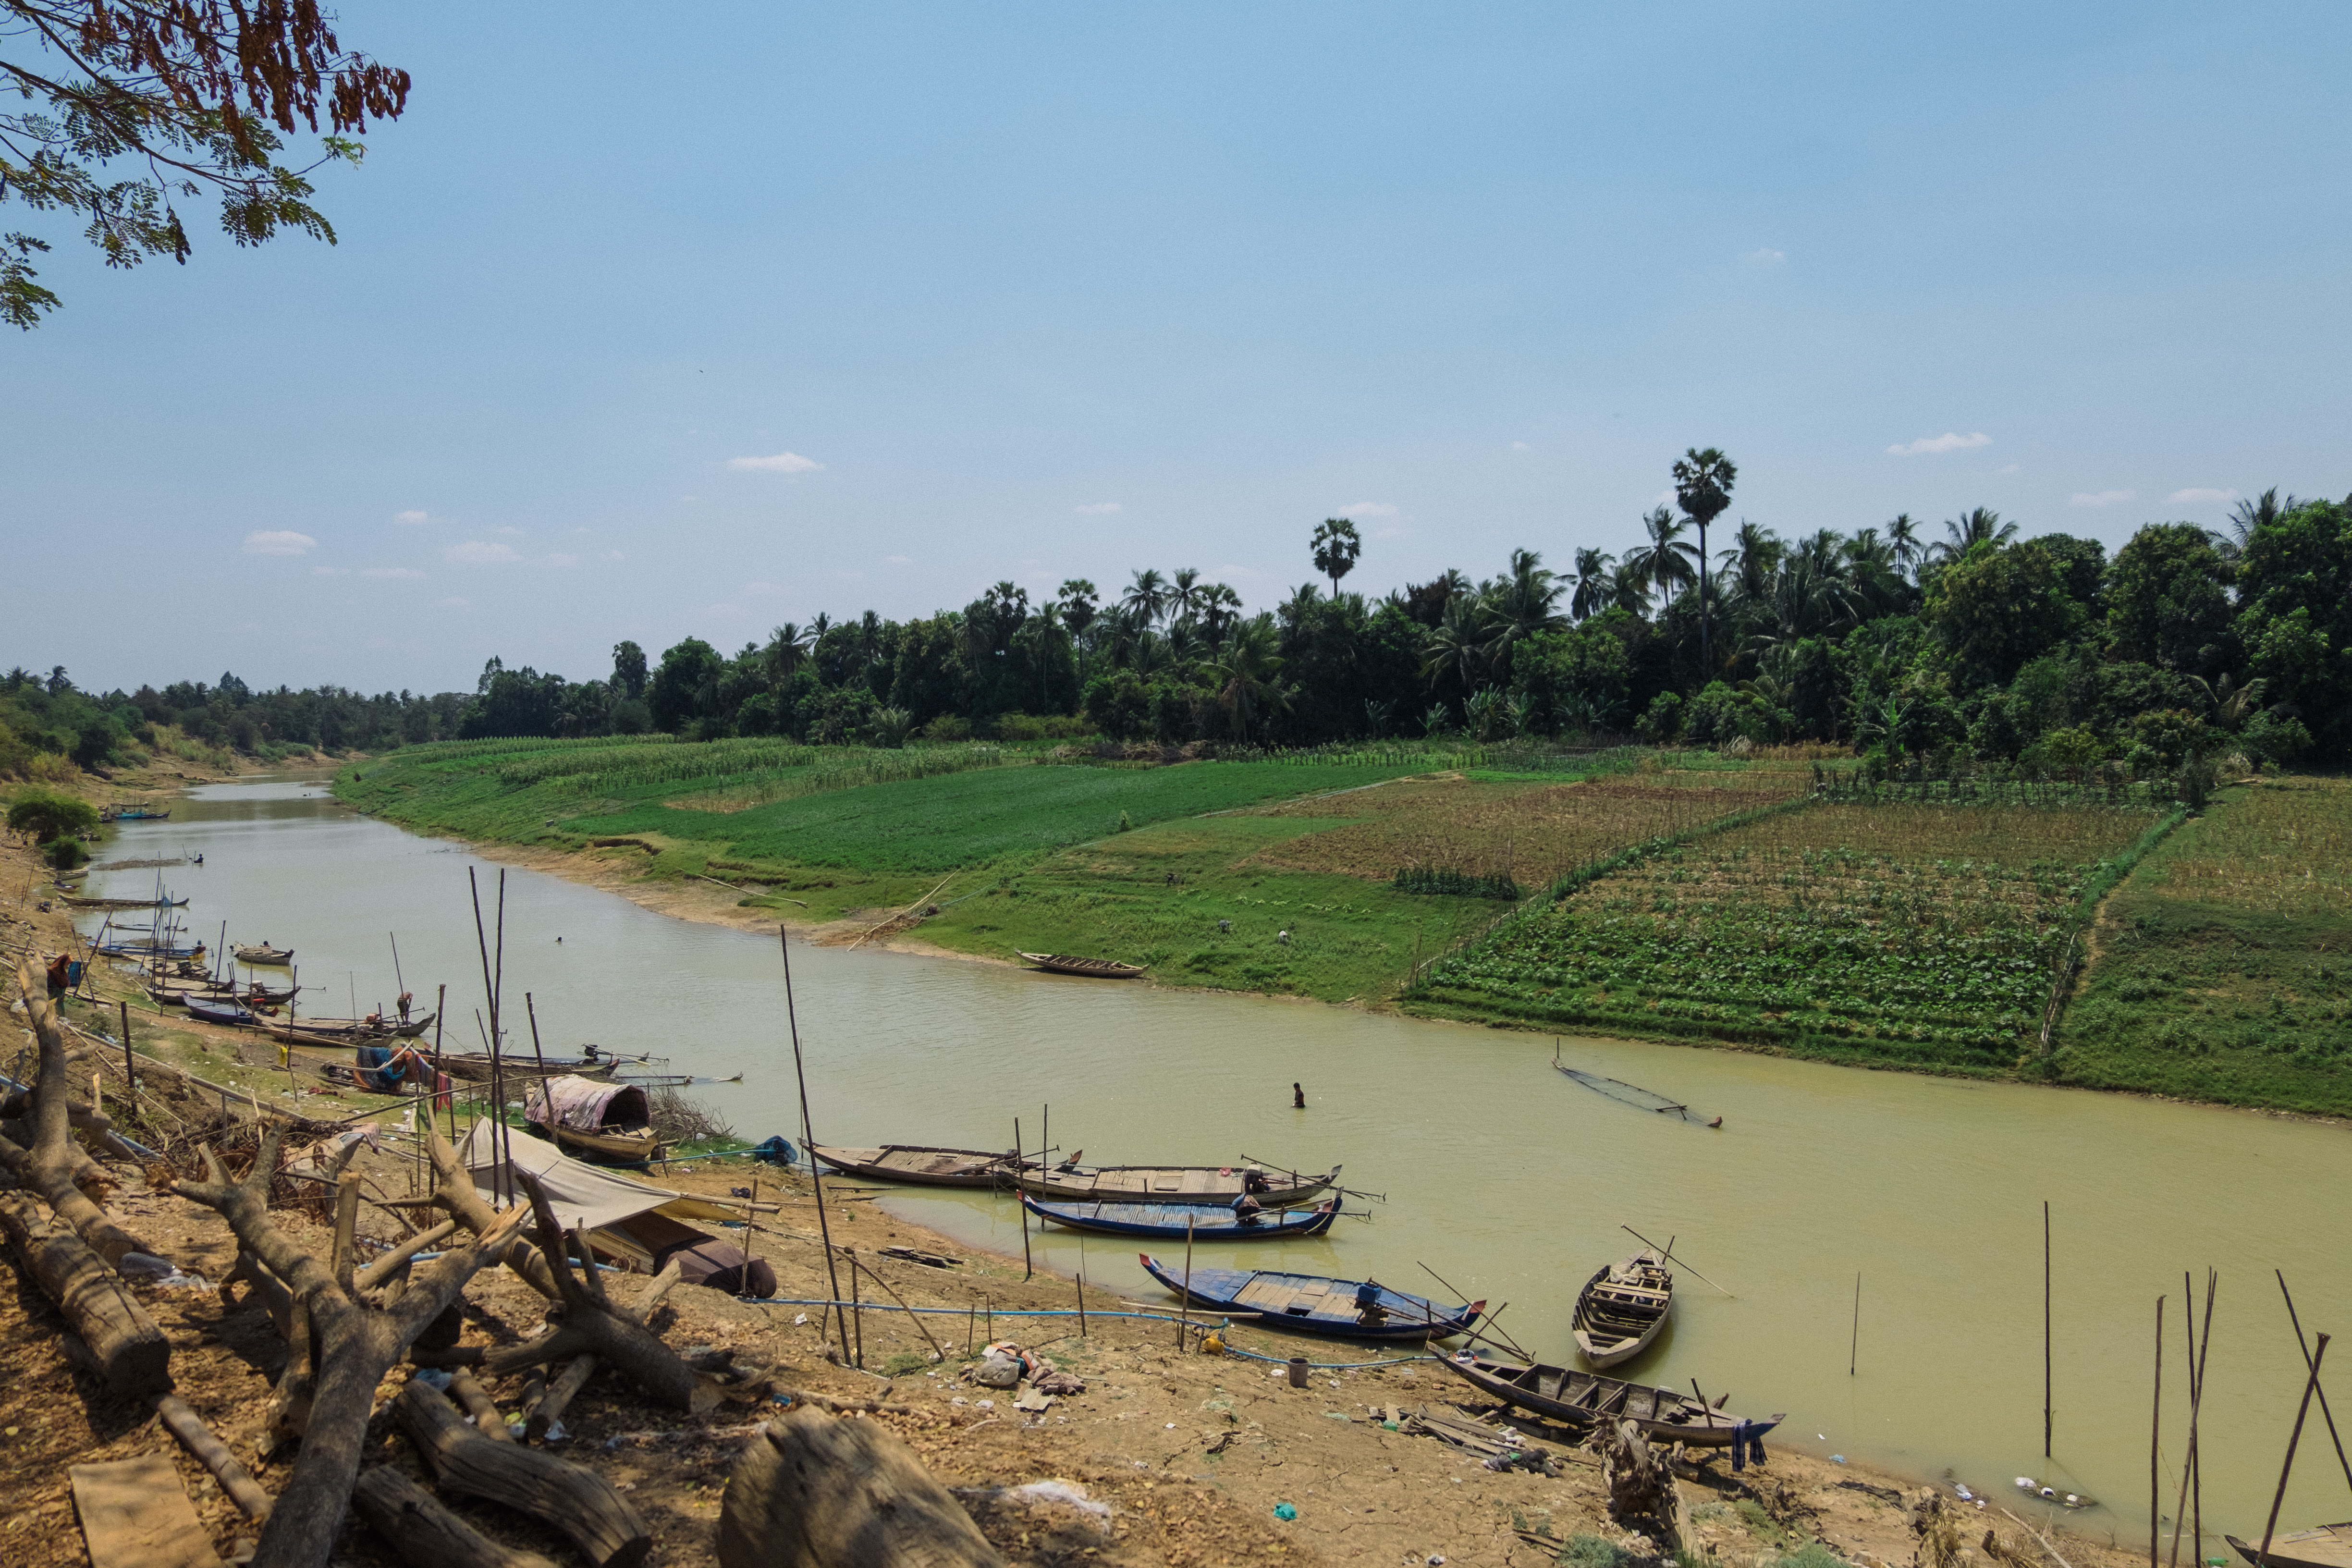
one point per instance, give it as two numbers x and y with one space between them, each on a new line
1028 1270
1184 1317
2154 1437
2323 1411
130 1078
2261 1558
856 1314
1082 1306
2195 1395
808 1139
2045 1329
1854 1352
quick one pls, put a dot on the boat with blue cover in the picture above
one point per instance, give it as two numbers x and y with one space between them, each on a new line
1312 1304
1174 1222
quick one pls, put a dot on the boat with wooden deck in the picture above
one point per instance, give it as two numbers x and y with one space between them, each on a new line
1582 1398
262 952
2328 1546
1312 1304
148 951
1622 1309
1092 968
1174 1222
374 1024
925 1167
1204 1184
474 1067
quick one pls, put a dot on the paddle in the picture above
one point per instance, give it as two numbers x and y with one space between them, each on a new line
1668 1251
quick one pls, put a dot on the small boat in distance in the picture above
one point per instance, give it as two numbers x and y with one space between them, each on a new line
1582 1398
924 1167
1312 1304
1624 1307
82 903
2329 1546
1094 968
1636 1096
1217 1184
262 952
1174 1222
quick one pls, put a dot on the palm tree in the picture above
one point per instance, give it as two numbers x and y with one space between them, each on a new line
1146 595
1663 563
1220 607
869 643
1971 529
2232 704
1754 553
1903 538
787 651
1629 588
1703 483
1243 672
1454 644
1592 594
1337 547
1184 593
1524 604
2248 516
1045 632
1875 572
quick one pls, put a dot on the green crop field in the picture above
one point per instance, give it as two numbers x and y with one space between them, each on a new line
2223 967
1927 934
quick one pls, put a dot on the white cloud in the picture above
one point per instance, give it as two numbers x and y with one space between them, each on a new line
452 603
2006 468
2193 497
1098 509
278 541
2099 498
410 518
331 571
480 552
1356 509
1766 256
782 463
1949 441
1521 446
899 559
397 573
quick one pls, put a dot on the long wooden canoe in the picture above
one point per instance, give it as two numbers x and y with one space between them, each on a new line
81 903
1219 1184
1094 968
1174 1222
1622 1309
1580 1398
2329 1546
923 1166
1312 1304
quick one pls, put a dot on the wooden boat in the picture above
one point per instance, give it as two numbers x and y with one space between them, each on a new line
1312 1304
82 903
217 1010
923 1167
1094 968
1580 1398
148 951
1219 1184
1639 1098
262 952
2329 1546
136 813
597 1118
1624 1307
474 1067
1174 1222
374 1024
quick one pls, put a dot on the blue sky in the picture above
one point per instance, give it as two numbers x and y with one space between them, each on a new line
1048 291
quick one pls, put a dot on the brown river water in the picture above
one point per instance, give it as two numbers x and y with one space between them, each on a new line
1507 1178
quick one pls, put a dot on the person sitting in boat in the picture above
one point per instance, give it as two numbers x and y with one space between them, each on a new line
1254 1182
1368 1310
1248 1210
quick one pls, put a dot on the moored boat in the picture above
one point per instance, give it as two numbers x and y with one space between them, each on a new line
2328 1546
262 952
1582 1398
82 903
1175 1222
1314 1304
924 1167
604 1121
1093 968
1622 1309
218 1010
1069 1182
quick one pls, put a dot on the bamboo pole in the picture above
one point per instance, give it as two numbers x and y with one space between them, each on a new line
808 1140
1184 1317
2045 1329
2155 1438
1666 1251
1854 1351
2261 1558
2323 1411
2195 1395
1028 1270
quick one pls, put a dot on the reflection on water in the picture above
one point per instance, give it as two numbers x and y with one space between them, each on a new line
1501 1175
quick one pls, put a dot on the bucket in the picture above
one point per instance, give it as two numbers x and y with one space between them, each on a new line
1298 1372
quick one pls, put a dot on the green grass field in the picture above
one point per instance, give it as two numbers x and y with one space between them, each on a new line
2224 965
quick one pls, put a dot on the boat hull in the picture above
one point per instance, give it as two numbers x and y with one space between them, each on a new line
2329 1546
918 1166
1204 1184
1582 1398
1176 1222
1615 1323
1085 968
1311 1304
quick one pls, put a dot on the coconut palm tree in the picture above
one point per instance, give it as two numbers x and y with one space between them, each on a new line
1971 529
1522 604
787 651
1748 564
1184 593
1592 587
2248 516
1665 562
1220 607
1456 645
1875 572
1244 672
1903 538
1629 588
1146 595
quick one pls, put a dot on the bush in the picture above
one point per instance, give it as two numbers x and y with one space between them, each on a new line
632 717
947 727
65 854
2275 739
44 814
1663 720
1585 1551
1042 727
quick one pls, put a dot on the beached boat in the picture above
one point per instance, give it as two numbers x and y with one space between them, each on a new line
1637 1097
218 1010
82 903
1312 1304
1580 1398
607 1122
1173 1183
1094 968
134 813
474 1067
373 1025
1174 1222
2329 1546
262 952
921 1166
1624 1307
148 951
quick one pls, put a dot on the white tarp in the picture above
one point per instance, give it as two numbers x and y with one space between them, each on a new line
582 1196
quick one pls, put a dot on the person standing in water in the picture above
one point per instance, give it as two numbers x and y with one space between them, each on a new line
1297 1098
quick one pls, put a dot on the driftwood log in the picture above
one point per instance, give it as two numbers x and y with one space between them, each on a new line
1642 1489
542 1414
589 1326
426 1534
574 1499
50 1166
821 1492
356 1344
129 1351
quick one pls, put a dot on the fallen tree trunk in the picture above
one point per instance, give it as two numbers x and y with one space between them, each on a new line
455 1196
818 1491
426 1532
130 1352
543 1413
198 1440
356 1344
49 1166
574 1500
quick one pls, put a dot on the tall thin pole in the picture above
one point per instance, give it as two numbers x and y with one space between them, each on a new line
502 1179
2196 1399
2195 1459
2261 1558
2301 1343
536 1055
1029 1269
2155 1437
808 1142
1854 1352
1184 1317
2045 1329
440 1014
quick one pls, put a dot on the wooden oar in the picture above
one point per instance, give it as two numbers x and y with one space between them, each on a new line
1668 1251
